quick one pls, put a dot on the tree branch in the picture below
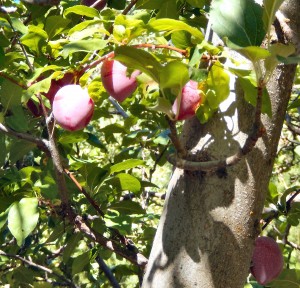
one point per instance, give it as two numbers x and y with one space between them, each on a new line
84 192
156 46
132 256
58 167
43 144
110 276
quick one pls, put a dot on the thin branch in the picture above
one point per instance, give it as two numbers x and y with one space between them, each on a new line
110 276
157 46
37 266
58 167
128 8
134 257
118 107
98 2
21 45
181 151
275 213
43 144
293 245
84 192
13 80
257 131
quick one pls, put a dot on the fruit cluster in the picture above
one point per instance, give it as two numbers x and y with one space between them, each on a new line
73 108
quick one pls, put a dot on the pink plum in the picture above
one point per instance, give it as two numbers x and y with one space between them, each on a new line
72 107
115 80
190 101
267 260
68 78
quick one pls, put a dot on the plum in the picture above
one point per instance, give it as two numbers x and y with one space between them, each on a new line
72 107
115 79
267 260
190 101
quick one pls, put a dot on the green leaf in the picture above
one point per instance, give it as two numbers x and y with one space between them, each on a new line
162 105
172 25
117 4
55 25
181 39
250 93
82 10
35 39
36 88
174 75
289 278
10 94
3 150
88 45
71 245
17 121
127 207
125 165
129 182
277 50
22 218
253 53
289 60
72 137
217 86
80 262
168 9
148 4
140 60
270 7
239 21
3 218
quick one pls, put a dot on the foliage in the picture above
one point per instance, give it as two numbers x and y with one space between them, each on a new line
116 169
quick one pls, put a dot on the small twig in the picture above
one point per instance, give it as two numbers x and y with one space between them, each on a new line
292 127
13 80
110 276
84 192
118 107
37 266
181 151
157 46
128 8
275 213
132 256
98 2
21 45
293 245
96 62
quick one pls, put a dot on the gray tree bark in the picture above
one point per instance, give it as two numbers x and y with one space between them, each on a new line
209 223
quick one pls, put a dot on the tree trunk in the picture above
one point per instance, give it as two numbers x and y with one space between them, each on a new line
210 220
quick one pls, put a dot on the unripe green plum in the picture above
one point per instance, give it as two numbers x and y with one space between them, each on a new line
267 260
72 107
115 80
190 101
